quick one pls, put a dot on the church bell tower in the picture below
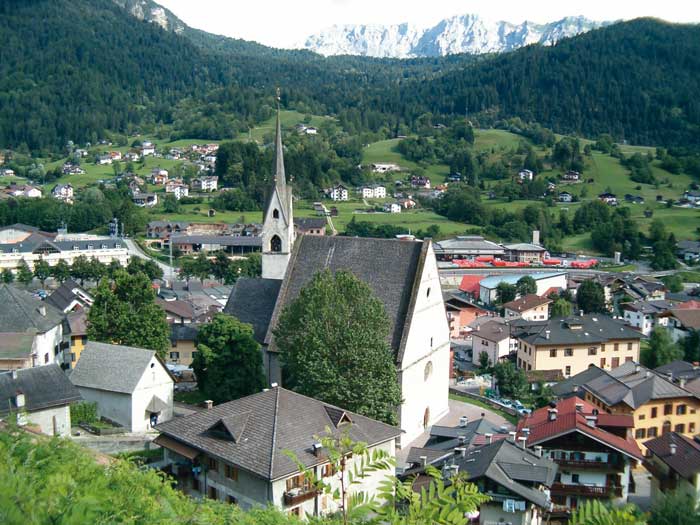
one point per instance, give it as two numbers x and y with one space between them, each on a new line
278 223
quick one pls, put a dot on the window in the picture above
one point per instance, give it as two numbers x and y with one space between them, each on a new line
427 294
297 482
231 472
46 358
90 247
431 342
592 350
615 362
654 412
212 493
103 246
553 352
212 464
327 470
616 347
484 342
567 371
574 478
640 433
275 214
428 370
568 352
691 428
668 409
174 355
296 511
629 346
681 410
529 367
276 244
651 432
117 245
72 357
628 359
602 362
230 499
680 428
642 417
666 427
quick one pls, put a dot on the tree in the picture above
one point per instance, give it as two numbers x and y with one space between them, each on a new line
511 381
125 313
594 512
7 276
199 267
228 363
505 293
484 362
590 297
171 204
61 271
675 508
24 274
42 271
691 346
147 266
333 344
661 349
81 269
526 285
674 283
562 308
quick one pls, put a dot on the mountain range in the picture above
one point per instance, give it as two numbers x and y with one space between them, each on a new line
459 34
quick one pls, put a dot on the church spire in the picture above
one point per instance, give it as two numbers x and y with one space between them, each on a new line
279 177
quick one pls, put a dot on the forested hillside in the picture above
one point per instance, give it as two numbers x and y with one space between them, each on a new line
74 70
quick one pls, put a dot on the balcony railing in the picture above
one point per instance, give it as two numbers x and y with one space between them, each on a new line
296 496
586 490
585 463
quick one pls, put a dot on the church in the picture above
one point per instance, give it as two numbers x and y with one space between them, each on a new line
402 274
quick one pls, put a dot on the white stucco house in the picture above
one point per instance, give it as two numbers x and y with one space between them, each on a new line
39 397
237 451
493 338
131 386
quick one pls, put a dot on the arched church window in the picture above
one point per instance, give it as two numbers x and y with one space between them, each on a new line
275 214
428 370
276 244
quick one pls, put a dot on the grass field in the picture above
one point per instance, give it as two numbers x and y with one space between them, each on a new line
496 139
385 151
287 119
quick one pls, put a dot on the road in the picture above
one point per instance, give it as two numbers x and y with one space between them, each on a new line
134 250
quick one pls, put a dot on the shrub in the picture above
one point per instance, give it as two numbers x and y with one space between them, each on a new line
84 412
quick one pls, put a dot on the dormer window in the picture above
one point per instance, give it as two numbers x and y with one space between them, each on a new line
275 214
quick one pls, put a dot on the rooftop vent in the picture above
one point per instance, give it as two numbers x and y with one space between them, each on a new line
461 451
423 461
538 451
522 440
511 436
672 448
547 334
552 414
489 438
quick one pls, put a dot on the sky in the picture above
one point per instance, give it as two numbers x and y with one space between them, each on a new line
285 23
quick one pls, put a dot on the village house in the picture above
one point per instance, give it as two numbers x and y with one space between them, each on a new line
460 314
310 226
681 321
420 182
131 386
177 311
657 405
72 169
69 297
565 196
530 307
608 198
338 193
374 191
147 148
145 200
689 251
466 247
177 188
692 196
159 176
674 462
594 451
63 192
646 315
103 160
493 339
385 167
207 183
237 451
574 343
524 252
31 331
23 190
516 479
7 172
392 207
39 397
525 175
402 274
77 323
571 176
183 344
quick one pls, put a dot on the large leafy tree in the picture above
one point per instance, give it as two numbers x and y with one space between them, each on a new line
590 297
228 363
24 274
42 271
661 349
675 508
125 313
511 380
526 285
506 292
61 271
333 343
561 308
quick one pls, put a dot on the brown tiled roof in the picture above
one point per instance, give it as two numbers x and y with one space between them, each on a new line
527 302
686 460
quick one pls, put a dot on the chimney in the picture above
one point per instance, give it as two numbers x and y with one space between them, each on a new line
461 452
526 431
580 312
42 310
591 421
423 461
538 451
489 438
511 437
317 448
672 447
478 327
579 407
552 414
546 334
522 440
463 420
208 404
575 389
637 368
536 237
274 385
681 382
14 374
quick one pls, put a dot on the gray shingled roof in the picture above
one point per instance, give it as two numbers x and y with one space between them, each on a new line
113 368
566 388
595 329
633 385
63 296
493 331
21 312
278 420
253 301
16 346
42 386
390 267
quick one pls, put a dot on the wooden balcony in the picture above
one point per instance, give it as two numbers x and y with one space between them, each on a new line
588 464
294 497
591 491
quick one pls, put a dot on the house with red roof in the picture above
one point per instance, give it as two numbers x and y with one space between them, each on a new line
460 313
595 452
470 285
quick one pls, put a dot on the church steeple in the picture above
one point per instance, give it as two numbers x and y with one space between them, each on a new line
278 223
